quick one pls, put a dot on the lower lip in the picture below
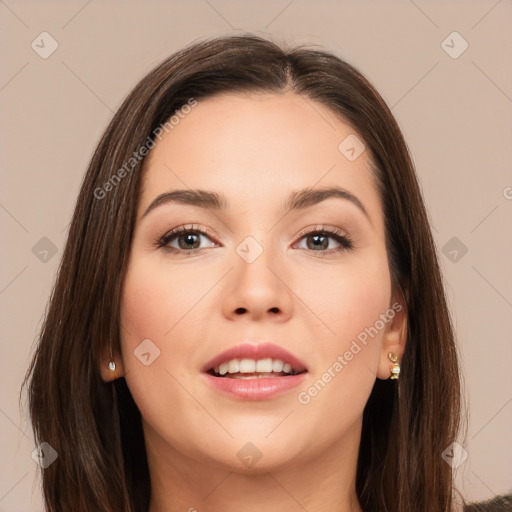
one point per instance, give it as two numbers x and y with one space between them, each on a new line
255 389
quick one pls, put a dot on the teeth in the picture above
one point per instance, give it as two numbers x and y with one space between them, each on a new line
234 366
247 366
277 365
263 366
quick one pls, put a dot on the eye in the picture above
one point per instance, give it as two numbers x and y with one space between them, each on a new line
187 239
319 240
184 239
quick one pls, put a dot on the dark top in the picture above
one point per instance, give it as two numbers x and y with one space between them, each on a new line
497 504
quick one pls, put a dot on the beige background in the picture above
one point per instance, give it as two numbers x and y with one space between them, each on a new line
455 114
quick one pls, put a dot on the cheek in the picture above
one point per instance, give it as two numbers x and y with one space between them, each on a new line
348 351
350 303
154 307
350 299
151 309
362 299
155 300
144 306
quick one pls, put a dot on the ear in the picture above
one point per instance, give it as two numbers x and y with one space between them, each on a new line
395 335
106 373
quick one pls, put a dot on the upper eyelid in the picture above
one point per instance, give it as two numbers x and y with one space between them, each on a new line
190 228
332 230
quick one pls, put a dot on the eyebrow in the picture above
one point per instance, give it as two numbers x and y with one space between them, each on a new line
212 200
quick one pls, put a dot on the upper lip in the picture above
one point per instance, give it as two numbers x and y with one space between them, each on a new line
255 351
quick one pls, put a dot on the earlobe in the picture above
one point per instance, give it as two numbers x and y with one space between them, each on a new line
111 367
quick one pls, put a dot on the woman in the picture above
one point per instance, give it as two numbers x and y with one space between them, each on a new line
249 313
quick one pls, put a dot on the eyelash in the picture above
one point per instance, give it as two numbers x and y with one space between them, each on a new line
336 234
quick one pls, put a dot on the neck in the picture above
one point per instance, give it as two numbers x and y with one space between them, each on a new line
325 482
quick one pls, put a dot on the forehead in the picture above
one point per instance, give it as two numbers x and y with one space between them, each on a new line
256 148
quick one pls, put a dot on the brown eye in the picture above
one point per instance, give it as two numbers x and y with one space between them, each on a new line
323 241
189 241
185 240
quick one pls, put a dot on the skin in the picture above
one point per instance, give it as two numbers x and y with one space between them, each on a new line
255 149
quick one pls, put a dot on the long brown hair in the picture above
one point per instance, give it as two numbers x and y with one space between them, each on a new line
95 427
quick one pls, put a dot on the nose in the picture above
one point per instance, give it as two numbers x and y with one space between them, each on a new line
258 290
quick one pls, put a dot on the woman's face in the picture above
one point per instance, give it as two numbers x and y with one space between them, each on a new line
264 280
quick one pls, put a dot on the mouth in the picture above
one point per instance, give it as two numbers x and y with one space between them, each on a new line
254 371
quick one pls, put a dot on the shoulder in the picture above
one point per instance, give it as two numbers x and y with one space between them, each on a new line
497 504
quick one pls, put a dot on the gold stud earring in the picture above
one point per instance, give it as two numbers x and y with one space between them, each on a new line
395 369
